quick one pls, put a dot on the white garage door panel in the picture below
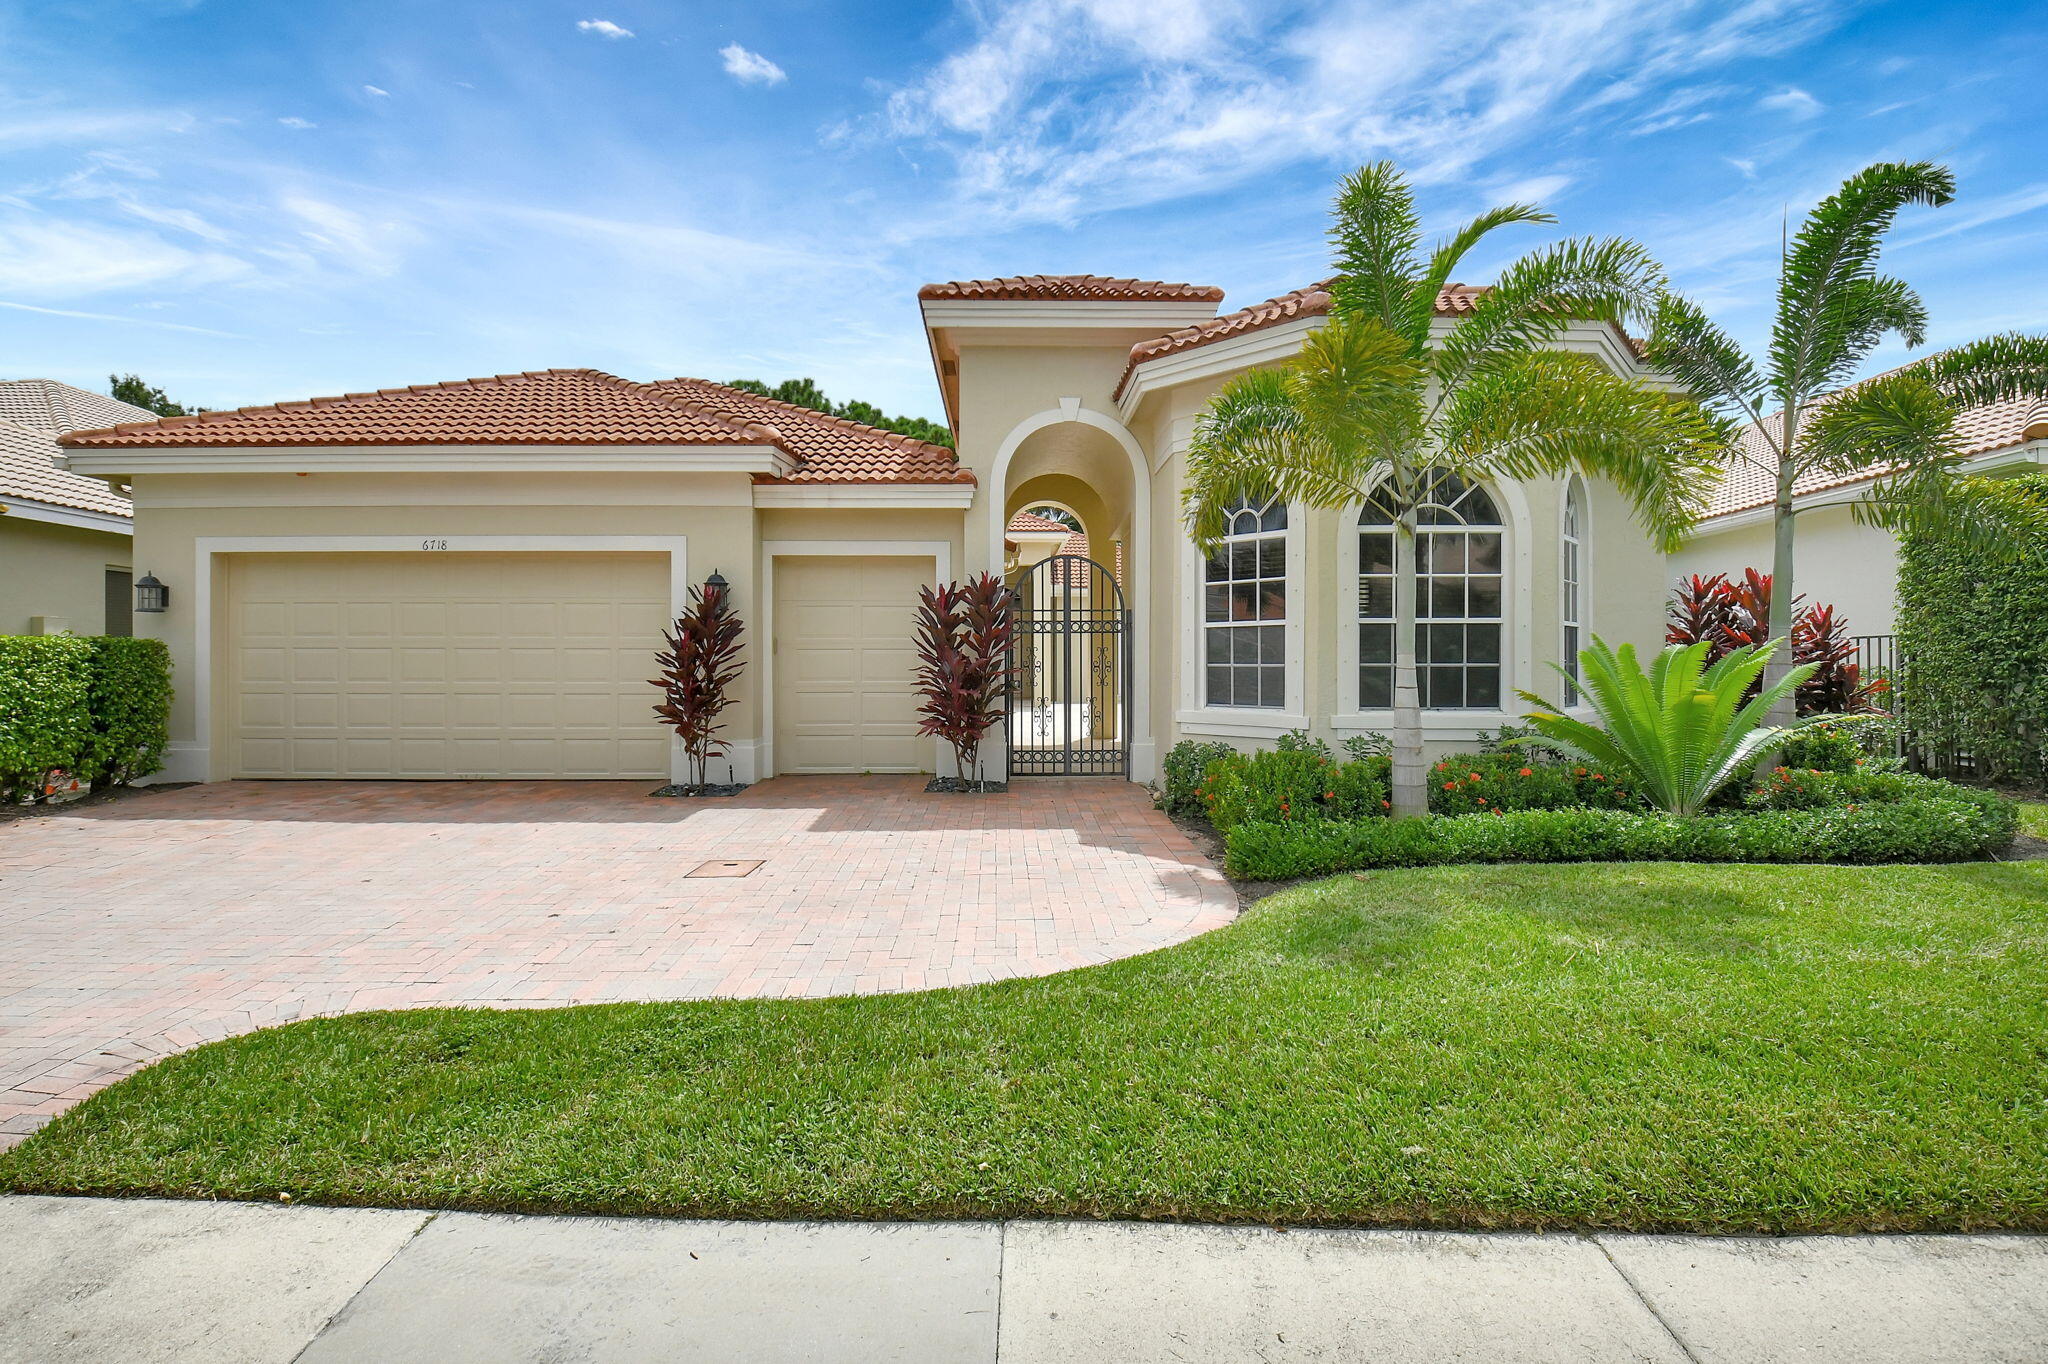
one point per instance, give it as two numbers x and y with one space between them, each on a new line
844 663
446 665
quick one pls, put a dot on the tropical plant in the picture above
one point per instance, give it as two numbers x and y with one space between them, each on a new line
1728 613
697 673
1381 403
1678 732
964 632
1898 430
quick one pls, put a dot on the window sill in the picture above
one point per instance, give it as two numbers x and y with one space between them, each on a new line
1239 722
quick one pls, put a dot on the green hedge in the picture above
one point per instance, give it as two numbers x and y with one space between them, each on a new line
1973 632
1957 825
96 708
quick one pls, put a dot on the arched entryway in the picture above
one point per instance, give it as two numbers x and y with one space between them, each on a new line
1070 688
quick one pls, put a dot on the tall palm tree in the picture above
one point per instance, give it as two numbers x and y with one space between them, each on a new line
1833 310
1377 400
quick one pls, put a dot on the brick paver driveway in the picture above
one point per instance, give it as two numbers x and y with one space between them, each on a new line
167 919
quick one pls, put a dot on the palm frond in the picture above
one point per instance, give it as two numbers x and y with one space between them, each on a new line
1686 344
1546 413
1859 315
1375 230
1995 369
1543 293
1837 245
1444 260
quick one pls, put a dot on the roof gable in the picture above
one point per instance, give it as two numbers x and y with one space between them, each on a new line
1073 289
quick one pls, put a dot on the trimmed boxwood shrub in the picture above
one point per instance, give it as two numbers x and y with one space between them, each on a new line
96 708
1956 825
45 711
1289 785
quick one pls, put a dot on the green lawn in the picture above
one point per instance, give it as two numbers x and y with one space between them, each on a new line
2034 818
1635 1045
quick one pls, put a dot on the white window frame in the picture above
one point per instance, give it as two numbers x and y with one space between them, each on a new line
1195 715
1517 627
1574 547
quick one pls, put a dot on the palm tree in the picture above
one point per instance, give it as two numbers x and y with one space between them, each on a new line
1833 310
1377 402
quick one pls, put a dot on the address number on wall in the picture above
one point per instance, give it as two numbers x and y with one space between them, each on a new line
433 544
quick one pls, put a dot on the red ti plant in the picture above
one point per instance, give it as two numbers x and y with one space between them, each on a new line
1729 613
964 633
697 671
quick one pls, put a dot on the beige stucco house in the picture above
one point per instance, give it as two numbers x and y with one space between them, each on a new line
1841 562
64 538
470 579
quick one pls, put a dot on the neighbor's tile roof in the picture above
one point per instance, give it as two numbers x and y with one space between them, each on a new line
829 449
1076 288
1750 481
1030 521
1311 301
32 414
558 407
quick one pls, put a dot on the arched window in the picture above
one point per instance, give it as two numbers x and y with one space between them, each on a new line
1244 610
1571 583
1458 599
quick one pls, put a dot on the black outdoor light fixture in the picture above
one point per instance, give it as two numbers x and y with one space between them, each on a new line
151 595
716 580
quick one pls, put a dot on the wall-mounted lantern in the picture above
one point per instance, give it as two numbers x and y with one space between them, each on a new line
151 595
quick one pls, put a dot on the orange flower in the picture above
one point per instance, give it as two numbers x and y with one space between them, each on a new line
1482 800
1599 776
1386 805
1473 775
1450 786
1578 771
1528 772
1329 795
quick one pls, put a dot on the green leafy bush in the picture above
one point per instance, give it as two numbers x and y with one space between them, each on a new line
1828 747
1809 788
1480 783
1180 775
1974 638
96 708
1958 825
131 709
1286 785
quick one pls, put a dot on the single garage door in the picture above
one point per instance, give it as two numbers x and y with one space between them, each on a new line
844 665
445 665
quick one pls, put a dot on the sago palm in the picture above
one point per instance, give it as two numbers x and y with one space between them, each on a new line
1380 397
1834 308
1679 731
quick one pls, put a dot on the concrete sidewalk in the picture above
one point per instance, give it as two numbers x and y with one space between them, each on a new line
92 1279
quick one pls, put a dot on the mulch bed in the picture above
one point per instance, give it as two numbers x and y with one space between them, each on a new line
953 786
714 789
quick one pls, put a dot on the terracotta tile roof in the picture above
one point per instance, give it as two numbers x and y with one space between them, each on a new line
559 407
1031 521
539 407
829 449
1746 485
1311 301
32 414
1074 288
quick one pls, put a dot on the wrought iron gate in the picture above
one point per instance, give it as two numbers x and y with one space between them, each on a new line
1070 688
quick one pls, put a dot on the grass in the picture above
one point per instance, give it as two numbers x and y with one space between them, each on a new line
1634 1046
2034 818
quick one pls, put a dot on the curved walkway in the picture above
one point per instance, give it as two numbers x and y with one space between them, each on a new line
166 919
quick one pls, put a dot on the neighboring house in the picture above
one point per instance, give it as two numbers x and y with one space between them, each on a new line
1841 562
469 579
64 538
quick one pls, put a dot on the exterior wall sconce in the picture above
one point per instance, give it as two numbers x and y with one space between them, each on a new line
151 595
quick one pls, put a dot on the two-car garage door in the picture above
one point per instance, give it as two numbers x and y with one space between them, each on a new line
468 664
445 665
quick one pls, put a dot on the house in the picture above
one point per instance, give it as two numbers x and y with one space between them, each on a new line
469 579
64 538
1841 562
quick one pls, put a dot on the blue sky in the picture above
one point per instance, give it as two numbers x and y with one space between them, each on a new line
247 202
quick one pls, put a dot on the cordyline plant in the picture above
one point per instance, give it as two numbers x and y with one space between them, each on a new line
1383 395
1681 730
1727 613
697 672
1898 430
964 633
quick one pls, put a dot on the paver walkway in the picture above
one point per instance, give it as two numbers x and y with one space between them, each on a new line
138 928
233 1283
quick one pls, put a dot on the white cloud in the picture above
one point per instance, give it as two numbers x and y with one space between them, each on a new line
604 28
1743 164
1792 101
50 258
1061 108
377 91
294 121
352 238
750 68
115 317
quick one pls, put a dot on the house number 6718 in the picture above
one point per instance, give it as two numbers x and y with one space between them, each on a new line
433 544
